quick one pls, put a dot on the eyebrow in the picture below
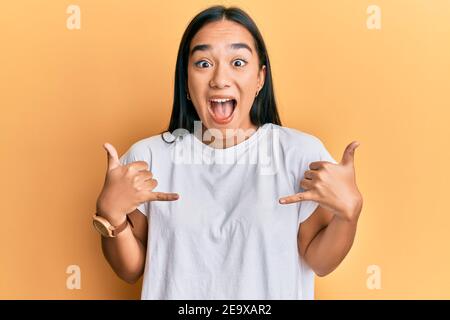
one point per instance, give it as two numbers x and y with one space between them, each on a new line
234 46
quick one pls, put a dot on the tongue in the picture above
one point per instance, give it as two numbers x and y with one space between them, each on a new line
222 110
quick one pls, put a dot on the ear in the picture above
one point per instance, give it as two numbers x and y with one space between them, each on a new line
262 76
187 86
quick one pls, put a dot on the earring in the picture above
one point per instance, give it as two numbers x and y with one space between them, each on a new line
187 96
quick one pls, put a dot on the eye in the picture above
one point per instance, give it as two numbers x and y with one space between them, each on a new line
242 62
201 63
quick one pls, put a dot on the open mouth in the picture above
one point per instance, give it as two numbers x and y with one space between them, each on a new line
222 110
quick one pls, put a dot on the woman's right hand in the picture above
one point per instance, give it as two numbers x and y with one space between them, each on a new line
126 187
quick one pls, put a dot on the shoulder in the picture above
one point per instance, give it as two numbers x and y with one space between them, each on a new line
297 140
144 149
300 146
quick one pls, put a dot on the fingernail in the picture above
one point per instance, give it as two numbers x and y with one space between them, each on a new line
282 201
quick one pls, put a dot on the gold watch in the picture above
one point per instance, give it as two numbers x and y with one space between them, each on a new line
106 229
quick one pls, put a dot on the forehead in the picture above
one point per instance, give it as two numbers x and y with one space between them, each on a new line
221 33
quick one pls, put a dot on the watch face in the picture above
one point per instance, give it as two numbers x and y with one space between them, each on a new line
101 228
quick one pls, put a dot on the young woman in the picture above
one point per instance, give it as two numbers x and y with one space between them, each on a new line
227 204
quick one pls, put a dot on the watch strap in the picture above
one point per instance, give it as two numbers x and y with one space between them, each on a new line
120 227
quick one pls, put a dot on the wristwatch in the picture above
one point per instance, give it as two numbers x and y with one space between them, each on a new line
106 229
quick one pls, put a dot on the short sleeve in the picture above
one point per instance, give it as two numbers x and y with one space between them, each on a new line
138 153
316 152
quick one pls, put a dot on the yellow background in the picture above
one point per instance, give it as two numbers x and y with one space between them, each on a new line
66 92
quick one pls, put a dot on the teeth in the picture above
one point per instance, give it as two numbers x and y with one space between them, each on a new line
221 100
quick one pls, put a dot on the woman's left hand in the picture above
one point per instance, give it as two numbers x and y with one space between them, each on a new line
332 185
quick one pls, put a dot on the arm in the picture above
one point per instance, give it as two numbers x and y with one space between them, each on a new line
325 239
126 187
127 252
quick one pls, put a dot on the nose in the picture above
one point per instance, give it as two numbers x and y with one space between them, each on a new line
220 78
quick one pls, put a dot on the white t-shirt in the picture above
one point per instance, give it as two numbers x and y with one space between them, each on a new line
227 236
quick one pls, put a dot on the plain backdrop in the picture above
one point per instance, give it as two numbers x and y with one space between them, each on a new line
63 93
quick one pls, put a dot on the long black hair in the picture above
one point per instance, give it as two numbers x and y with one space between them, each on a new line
264 108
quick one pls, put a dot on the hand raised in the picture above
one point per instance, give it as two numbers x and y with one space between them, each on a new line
126 187
332 185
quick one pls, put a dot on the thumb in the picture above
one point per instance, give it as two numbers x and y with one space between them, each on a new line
113 158
349 153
